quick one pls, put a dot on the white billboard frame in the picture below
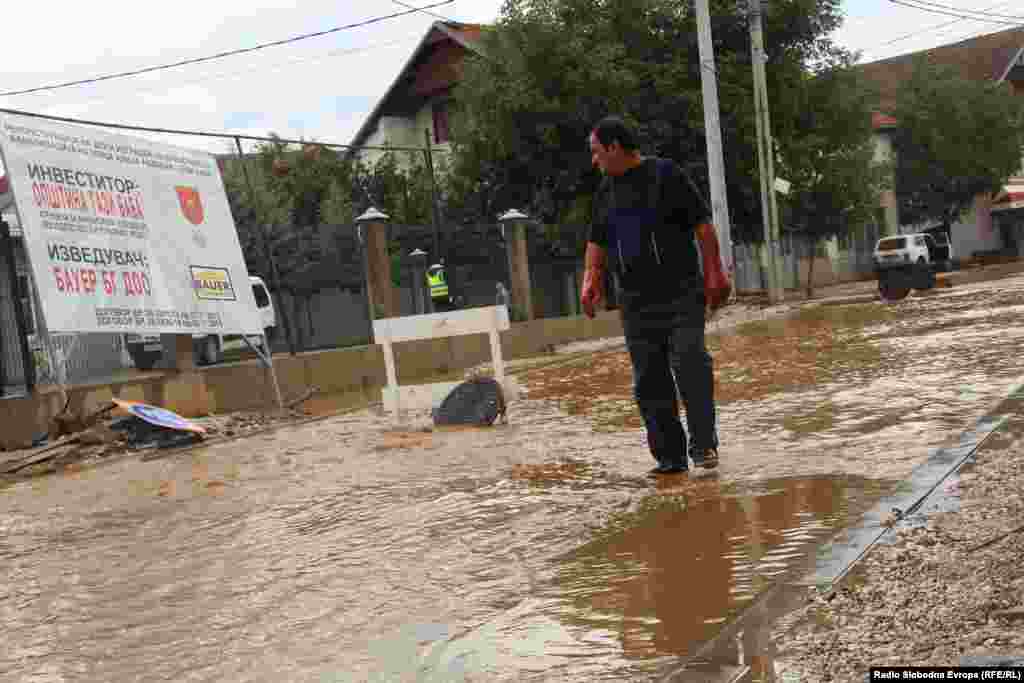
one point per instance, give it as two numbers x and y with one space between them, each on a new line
123 234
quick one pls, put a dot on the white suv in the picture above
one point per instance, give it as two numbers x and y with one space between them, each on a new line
902 250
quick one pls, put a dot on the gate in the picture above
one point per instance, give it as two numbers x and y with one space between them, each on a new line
17 370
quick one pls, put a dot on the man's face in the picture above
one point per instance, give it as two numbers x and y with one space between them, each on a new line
609 159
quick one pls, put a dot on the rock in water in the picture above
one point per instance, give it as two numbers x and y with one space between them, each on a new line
478 401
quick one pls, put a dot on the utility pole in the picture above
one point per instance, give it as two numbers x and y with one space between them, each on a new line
765 153
713 136
429 157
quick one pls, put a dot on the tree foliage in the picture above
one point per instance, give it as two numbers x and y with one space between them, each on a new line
289 201
830 157
957 138
550 69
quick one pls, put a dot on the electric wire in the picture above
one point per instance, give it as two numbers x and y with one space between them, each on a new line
263 69
956 14
930 29
221 55
209 134
424 11
981 13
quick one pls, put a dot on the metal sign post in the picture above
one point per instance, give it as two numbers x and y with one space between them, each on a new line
266 357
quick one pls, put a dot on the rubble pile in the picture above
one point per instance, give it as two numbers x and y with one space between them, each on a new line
103 435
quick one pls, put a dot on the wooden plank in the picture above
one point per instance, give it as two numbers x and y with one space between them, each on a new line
499 362
433 325
392 372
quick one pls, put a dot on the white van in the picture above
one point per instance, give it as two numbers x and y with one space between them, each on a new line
146 349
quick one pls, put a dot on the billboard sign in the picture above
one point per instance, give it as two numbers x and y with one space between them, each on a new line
124 234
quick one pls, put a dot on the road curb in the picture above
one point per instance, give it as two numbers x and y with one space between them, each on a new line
889 513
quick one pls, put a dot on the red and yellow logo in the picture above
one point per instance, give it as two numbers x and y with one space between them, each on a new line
190 203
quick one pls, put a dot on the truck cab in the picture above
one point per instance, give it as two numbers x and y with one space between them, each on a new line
147 349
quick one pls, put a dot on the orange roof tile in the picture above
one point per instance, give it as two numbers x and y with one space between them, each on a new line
981 58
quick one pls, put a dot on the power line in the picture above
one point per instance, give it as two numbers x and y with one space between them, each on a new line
263 69
954 14
424 11
206 134
930 29
221 55
984 13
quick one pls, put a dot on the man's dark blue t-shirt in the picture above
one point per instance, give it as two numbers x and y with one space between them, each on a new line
650 237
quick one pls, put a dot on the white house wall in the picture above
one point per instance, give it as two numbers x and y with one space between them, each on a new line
400 131
884 154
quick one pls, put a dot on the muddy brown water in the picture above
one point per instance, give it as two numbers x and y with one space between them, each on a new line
349 550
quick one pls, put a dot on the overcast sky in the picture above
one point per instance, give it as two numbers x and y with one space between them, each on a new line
322 88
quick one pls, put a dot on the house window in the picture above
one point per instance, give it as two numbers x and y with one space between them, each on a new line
442 131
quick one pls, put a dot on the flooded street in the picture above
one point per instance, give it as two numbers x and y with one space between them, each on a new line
348 550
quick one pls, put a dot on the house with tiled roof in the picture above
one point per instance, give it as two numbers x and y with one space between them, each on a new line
416 105
994 223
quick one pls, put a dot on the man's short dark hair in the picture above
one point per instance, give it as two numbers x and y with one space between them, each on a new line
613 129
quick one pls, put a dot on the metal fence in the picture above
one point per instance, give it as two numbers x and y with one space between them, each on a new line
853 260
16 371
84 358
752 265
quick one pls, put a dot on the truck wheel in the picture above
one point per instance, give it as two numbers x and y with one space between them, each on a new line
143 360
209 350
890 292
924 278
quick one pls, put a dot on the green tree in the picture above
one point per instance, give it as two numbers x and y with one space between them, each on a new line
957 138
289 200
550 68
835 180
285 194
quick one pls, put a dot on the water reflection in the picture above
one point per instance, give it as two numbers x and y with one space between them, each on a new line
660 579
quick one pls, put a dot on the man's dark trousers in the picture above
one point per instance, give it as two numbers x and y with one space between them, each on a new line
667 348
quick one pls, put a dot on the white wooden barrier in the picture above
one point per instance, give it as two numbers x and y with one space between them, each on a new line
488 320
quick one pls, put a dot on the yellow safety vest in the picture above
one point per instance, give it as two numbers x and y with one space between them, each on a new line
438 285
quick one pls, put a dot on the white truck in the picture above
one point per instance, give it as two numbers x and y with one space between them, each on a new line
146 349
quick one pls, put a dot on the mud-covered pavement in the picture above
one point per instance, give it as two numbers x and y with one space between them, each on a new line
348 550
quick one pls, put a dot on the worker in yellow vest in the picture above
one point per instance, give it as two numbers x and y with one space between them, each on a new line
437 281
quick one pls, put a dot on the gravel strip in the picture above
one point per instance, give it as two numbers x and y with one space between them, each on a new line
932 597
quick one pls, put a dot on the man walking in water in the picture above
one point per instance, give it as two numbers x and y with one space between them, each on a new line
646 218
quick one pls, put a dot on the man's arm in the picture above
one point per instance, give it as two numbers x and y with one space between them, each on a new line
593 278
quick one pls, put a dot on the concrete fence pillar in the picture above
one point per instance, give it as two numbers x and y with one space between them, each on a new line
371 228
513 228
185 391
